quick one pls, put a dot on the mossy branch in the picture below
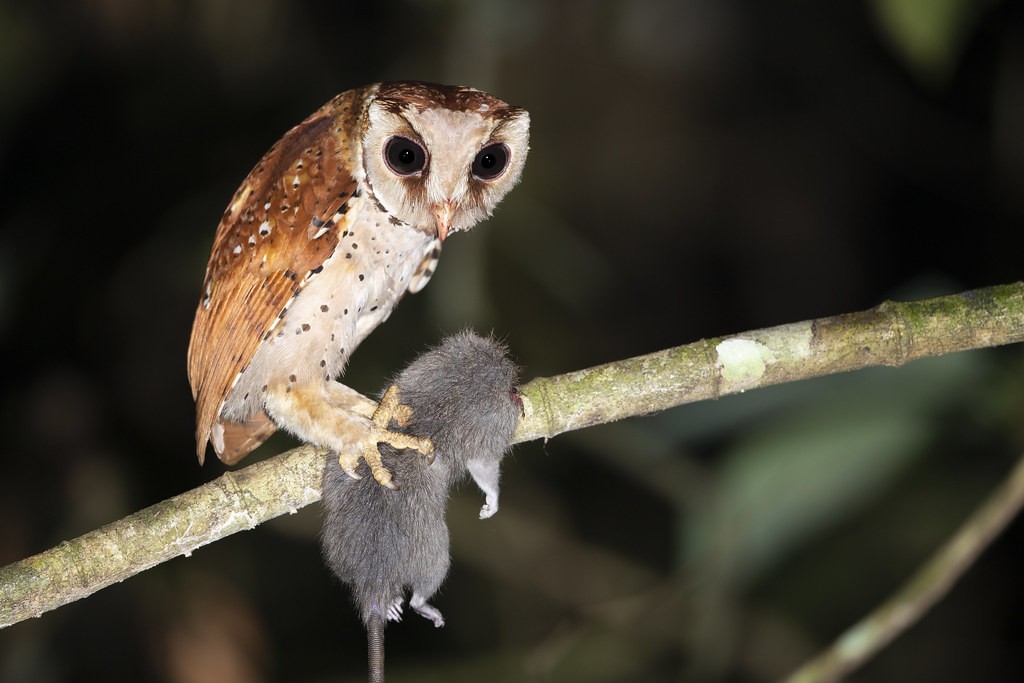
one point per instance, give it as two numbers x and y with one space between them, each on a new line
928 585
890 334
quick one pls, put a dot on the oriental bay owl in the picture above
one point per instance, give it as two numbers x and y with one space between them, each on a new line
342 217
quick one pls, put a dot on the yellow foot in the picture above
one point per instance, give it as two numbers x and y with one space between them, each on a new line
387 411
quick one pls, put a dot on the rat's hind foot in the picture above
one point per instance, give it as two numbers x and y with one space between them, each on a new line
387 411
426 610
394 612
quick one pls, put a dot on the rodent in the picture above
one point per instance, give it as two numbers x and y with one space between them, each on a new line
463 396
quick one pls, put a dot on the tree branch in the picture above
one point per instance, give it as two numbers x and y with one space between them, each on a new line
928 585
890 334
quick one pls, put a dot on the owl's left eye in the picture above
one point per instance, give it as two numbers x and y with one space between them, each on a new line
490 162
404 156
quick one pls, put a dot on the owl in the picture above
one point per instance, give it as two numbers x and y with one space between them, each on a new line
342 217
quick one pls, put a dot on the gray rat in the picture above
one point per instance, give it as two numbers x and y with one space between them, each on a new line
463 396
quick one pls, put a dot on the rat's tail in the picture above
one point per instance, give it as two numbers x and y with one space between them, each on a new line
375 642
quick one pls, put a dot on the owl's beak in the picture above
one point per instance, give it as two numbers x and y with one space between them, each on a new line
444 212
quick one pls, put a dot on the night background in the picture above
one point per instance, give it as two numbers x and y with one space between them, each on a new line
697 168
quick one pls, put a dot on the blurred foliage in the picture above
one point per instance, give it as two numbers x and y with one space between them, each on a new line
698 168
929 34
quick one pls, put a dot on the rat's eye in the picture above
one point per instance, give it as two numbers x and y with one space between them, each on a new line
404 156
491 161
517 400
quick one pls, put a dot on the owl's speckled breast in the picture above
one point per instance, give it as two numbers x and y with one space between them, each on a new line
356 290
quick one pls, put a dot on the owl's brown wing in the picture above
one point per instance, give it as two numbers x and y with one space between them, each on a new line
275 235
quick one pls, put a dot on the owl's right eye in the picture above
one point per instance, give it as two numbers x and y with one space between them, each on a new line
404 156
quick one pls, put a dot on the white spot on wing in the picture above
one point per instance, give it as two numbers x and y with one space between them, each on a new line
237 249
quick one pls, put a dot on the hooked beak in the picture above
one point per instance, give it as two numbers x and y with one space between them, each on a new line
443 215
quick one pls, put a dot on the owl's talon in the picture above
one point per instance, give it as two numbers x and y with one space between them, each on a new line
390 410
387 411
383 476
371 455
348 463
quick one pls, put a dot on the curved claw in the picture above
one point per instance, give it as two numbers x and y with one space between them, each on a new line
348 464
372 457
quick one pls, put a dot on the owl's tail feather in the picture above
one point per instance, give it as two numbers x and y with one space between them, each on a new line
241 438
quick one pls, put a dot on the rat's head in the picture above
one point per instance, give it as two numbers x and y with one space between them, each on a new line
463 393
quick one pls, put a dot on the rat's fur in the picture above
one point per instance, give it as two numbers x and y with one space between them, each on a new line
381 542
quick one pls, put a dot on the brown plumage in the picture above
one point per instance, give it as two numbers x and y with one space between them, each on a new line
263 255
339 219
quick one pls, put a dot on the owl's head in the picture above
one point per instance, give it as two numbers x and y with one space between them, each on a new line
441 157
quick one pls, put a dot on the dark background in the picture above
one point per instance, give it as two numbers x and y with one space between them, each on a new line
698 168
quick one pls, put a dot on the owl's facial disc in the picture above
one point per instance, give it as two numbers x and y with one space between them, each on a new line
442 158
488 164
406 157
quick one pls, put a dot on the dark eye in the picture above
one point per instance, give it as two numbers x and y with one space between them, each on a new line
517 400
403 156
490 161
